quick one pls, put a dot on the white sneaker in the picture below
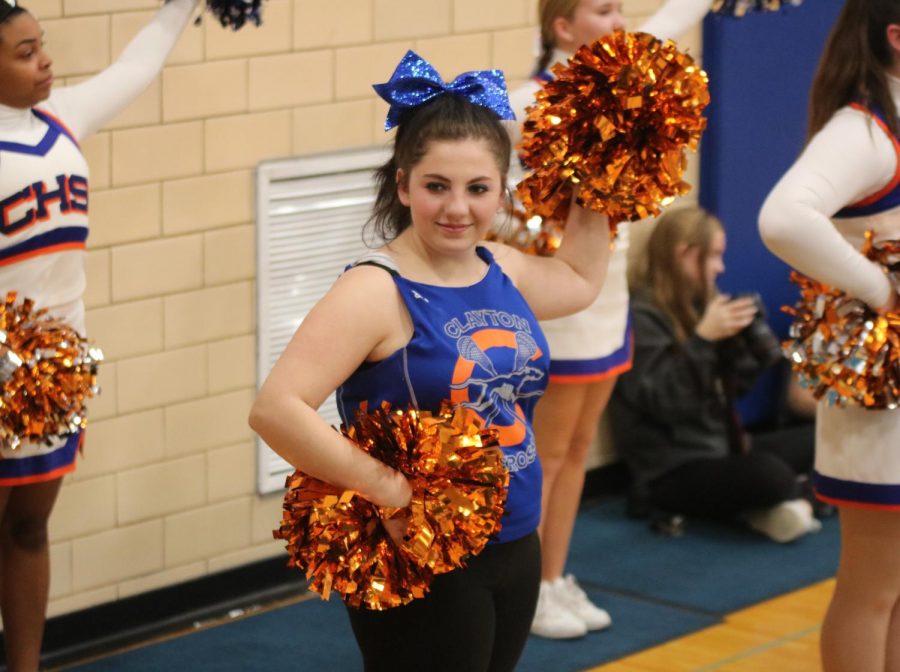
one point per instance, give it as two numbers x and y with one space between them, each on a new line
786 521
552 619
571 594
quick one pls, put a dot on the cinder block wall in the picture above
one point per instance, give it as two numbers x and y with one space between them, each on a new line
165 491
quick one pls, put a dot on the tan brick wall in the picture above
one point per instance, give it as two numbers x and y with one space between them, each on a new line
165 491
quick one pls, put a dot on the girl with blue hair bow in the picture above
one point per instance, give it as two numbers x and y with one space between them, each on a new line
437 313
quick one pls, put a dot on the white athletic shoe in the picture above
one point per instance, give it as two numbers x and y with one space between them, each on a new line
593 617
552 619
786 521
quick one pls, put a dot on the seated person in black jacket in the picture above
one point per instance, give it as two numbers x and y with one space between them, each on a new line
673 416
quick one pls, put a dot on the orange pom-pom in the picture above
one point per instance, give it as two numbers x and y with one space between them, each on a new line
612 128
47 371
841 348
459 482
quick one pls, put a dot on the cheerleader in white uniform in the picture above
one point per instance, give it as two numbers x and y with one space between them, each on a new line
44 185
847 181
589 349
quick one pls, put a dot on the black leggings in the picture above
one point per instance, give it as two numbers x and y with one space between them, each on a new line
474 619
723 487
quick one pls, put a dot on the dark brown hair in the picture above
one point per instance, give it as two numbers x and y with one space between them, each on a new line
854 63
447 117
661 272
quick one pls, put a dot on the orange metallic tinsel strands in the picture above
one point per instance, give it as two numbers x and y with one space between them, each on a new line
459 486
612 128
841 348
47 371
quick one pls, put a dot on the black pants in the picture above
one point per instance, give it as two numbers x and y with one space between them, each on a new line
474 619
723 487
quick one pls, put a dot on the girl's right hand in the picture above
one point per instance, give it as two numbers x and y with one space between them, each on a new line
395 518
724 317
393 489
396 528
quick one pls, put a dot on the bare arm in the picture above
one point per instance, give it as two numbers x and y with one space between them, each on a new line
323 353
569 281
88 106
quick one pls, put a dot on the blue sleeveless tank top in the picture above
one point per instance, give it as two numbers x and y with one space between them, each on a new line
887 198
479 346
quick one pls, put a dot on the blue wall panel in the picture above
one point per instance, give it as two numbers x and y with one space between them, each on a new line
760 69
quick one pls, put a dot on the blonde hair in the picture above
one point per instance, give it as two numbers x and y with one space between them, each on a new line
661 273
548 12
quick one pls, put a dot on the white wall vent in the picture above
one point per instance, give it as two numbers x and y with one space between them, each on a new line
309 217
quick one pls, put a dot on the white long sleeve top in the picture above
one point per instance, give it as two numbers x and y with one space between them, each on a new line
44 180
850 159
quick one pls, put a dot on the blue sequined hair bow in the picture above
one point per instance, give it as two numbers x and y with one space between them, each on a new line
415 82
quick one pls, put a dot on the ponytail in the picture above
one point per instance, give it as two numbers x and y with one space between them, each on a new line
389 216
544 59
548 12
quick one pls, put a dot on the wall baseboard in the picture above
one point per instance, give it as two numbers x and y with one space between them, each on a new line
108 627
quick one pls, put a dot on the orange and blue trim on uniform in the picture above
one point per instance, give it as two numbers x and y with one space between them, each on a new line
837 491
888 197
57 240
55 130
575 371
33 204
53 464
840 492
